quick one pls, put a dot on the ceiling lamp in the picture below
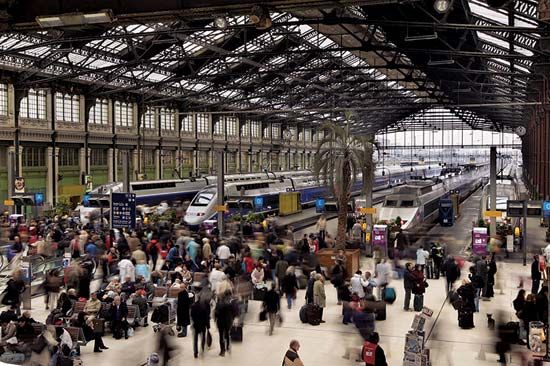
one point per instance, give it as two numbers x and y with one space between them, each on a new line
75 19
220 22
260 17
442 6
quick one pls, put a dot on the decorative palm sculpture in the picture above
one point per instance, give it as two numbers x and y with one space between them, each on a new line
341 160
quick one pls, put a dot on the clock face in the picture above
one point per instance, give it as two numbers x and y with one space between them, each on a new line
520 130
441 6
287 134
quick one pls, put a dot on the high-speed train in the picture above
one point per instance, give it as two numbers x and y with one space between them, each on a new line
203 206
417 203
153 192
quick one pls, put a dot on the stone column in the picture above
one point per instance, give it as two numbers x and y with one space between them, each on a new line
52 167
111 165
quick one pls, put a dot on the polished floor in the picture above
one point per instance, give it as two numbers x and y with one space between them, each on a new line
325 344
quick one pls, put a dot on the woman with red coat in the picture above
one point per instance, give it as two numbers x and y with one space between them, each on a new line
419 287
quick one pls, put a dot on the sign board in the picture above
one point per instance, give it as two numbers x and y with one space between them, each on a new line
479 240
19 185
367 210
534 209
514 208
89 182
320 205
9 202
221 208
380 237
123 210
259 202
546 209
496 214
38 199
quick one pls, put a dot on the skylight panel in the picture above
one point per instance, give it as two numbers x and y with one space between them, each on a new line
480 8
489 38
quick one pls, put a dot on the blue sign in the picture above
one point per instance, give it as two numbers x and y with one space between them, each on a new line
546 209
320 205
86 200
38 199
123 210
259 202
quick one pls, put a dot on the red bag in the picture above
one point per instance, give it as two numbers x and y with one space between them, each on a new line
163 253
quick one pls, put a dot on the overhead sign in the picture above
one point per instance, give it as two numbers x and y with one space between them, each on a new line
123 210
367 210
546 209
534 209
320 205
259 202
515 208
9 202
493 214
221 208
19 185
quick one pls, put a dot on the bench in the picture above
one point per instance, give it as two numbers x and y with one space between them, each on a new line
133 314
77 335
173 292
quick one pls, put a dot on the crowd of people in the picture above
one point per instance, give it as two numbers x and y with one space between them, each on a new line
113 277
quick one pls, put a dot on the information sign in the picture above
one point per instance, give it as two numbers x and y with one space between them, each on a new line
380 237
320 205
546 209
479 240
123 210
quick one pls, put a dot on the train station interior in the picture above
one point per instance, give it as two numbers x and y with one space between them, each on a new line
295 182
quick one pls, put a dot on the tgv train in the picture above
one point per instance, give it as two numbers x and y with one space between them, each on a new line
153 192
263 195
418 203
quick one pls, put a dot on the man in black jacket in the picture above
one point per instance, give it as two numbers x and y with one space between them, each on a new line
452 272
408 283
183 310
224 321
119 312
200 314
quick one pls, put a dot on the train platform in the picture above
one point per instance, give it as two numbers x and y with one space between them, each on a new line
326 344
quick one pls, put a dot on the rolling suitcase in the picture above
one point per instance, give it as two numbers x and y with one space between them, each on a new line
418 302
389 295
313 313
303 314
465 319
380 310
236 333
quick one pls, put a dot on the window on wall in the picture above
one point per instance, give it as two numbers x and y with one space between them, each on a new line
3 100
99 113
168 157
231 126
167 119
294 132
218 126
34 156
245 129
33 105
276 130
68 156
307 135
187 123
98 157
67 107
267 132
148 119
124 114
203 123
255 129
148 157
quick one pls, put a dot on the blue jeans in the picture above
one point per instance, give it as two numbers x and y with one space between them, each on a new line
289 300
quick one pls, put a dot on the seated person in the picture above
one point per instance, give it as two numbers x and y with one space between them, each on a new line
128 287
140 300
9 315
64 304
25 330
8 335
93 305
72 294
114 285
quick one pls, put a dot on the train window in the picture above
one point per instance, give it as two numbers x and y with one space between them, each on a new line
203 199
159 185
390 203
407 203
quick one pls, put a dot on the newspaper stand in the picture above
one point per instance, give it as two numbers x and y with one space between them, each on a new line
416 353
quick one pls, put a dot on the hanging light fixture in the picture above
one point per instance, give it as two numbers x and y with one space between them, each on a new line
260 17
220 22
442 6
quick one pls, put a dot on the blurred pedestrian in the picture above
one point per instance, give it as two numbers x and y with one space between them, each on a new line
291 356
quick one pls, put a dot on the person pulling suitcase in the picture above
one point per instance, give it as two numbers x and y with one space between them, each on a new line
419 287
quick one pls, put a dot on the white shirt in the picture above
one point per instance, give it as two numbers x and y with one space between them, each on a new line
421 256
223 252
383 273
126 268
547 253
215 277
357 283
66 339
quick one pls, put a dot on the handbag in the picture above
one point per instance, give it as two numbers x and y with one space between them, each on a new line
263 316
